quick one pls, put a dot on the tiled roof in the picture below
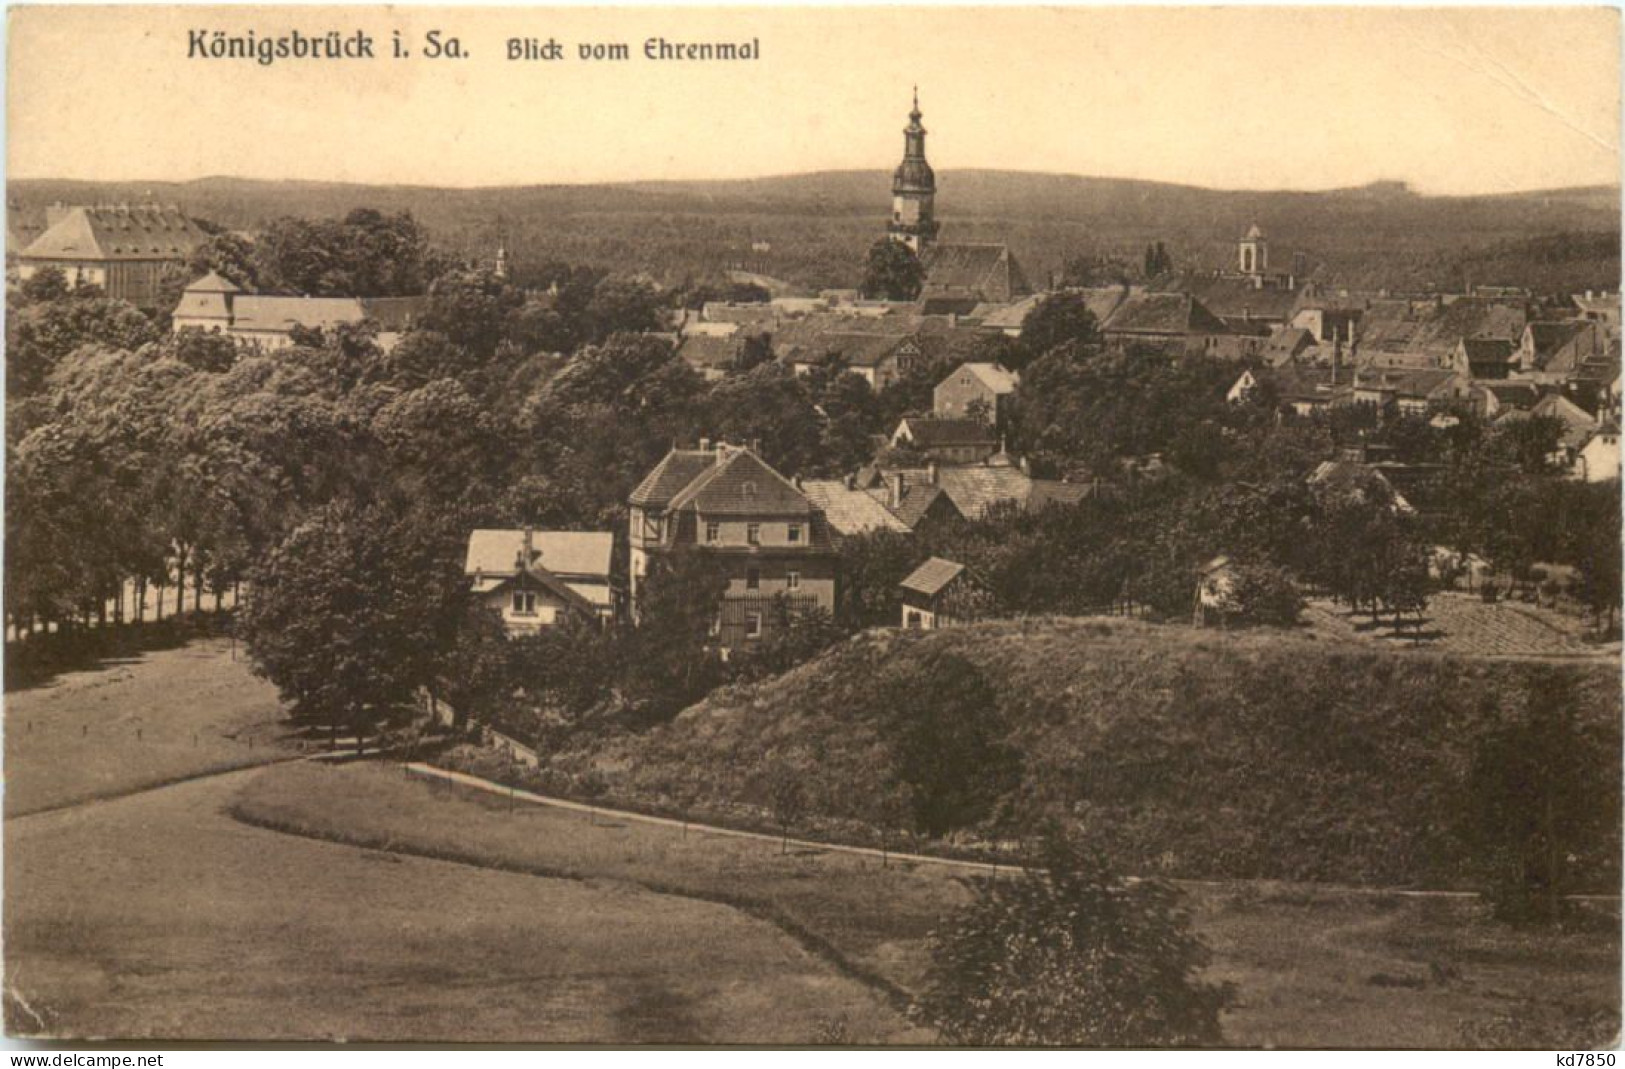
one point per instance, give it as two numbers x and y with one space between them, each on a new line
1164 313
987 272
1238 297
861 349
741 484
134 233
995 377
1551 337
849 511
1517 394
928 432
1488 350
1047 492
1577 422
679 468
932 576
709 351
213 283
564 553
251 311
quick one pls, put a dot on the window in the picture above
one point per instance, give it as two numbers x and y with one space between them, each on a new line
794 534
753 533
713 531
749 489
792 580
753 579
753 625
524 603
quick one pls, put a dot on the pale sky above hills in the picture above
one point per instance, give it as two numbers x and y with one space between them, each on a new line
1452 100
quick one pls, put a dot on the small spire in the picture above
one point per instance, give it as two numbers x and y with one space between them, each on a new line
915 114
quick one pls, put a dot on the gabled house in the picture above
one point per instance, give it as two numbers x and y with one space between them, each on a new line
960 276
973 388
948 441
1552 351
213 303
1175 323
758 527
127 250
537 579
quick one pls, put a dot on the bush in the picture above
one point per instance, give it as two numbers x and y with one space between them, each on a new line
1071 957
1264 595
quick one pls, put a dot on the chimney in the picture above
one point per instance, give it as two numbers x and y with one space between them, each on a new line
530 546
894 489
931 473
795 481
705 445
851 482
755 445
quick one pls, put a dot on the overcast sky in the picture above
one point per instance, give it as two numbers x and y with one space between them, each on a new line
1453 101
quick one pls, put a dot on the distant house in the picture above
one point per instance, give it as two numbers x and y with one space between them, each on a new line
1416 391
1484 358
971 489
1175 323
972 387
712 354
128 251
949 441
850 511
1305 390
877 353
1599 308
1286 345
912 497
1598 460
764 534
929 593
1358 479
958 277
1552 351
213 303
537 579
1578 424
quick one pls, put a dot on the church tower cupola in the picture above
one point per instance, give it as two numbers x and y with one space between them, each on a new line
1253 253
913 189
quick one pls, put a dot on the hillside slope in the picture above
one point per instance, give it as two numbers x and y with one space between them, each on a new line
1187 752
818 225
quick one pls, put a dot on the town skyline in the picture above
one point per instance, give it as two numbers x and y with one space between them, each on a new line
1446 102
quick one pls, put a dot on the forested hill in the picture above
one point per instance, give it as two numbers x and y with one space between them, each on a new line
819 224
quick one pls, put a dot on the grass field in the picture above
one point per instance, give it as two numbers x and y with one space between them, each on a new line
1313 966
155 917
135 722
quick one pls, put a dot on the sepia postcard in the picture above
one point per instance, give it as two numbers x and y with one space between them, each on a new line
909 526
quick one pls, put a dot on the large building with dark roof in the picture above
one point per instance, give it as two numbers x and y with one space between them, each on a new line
128 251
764 534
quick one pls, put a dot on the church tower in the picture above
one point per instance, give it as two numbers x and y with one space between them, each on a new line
913 189
1253 253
